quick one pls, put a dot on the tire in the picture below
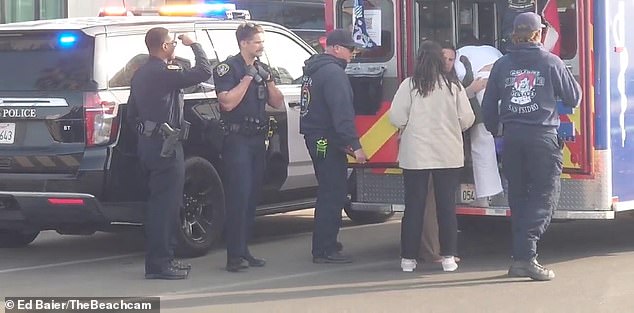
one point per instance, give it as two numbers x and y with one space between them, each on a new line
203 213
367 217
16 238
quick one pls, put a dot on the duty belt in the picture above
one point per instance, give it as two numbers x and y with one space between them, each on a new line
163 131
249 127
171 136
247 130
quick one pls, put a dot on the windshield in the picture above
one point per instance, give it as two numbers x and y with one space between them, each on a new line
46 61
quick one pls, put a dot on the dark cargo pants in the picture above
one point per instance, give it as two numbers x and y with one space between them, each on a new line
244 163
331 172
166 179
532 163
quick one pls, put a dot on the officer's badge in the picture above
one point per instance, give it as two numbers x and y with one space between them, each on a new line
222 69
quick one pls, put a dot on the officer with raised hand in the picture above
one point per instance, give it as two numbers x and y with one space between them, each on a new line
155 107
244 86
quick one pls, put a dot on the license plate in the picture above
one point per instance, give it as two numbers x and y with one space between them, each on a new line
7 133
467 193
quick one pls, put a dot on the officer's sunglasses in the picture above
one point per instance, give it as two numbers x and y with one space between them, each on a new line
172 43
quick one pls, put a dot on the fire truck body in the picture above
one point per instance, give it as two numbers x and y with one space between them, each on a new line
590 36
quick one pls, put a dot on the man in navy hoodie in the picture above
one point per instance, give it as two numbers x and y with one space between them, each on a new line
527 82
327 122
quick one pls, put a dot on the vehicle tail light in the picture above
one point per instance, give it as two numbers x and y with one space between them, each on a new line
66 201
101 117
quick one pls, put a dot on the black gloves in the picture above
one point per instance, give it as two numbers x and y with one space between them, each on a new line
259 74
264 73
253 72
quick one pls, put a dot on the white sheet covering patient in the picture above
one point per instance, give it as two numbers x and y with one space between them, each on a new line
485 166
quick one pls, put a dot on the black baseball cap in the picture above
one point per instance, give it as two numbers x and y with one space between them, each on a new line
340 37
527 22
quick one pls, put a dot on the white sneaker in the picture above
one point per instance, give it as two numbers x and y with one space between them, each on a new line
408 265
449 264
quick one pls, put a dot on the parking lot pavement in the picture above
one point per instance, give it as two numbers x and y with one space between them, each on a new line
592 259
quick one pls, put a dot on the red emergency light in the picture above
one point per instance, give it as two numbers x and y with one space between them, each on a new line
114 11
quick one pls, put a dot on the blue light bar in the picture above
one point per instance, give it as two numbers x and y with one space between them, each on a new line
67 40
216 9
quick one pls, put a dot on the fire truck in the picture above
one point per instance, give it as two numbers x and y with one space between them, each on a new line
589 35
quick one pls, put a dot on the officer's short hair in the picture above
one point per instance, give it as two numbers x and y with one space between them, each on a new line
246 31
155 37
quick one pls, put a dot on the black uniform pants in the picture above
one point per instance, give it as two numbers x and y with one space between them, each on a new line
532 163
244 162
445 185
331 172
166 177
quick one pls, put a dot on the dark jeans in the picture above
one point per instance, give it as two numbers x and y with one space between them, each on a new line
532 163
244 161
166 177
416 184
331 172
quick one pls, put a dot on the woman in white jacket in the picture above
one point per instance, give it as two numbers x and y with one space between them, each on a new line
431 113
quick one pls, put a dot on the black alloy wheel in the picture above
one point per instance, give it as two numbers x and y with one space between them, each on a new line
202 215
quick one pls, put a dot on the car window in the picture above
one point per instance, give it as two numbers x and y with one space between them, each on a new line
122 63
46 61
379 23
285 56
224 42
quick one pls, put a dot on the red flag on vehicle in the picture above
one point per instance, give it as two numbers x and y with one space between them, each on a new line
551 38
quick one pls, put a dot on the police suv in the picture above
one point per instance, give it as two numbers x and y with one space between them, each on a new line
68 157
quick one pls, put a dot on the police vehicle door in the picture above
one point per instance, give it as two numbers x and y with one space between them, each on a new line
286 54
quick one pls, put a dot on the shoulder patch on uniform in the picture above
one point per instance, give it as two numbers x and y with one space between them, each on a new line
173 67
222 69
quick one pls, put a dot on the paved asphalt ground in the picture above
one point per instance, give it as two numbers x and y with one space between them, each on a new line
593 261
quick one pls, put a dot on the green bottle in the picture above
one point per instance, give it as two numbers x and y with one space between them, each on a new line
322 147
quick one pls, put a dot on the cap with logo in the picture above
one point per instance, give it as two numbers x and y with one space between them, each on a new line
527 22
340 37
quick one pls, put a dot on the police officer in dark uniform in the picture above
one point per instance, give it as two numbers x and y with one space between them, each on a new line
155 107
327 122
244 86
528 81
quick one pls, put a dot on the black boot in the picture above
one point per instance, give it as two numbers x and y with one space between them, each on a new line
180 265
254 262
236 265
333 258
531 269
169 273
